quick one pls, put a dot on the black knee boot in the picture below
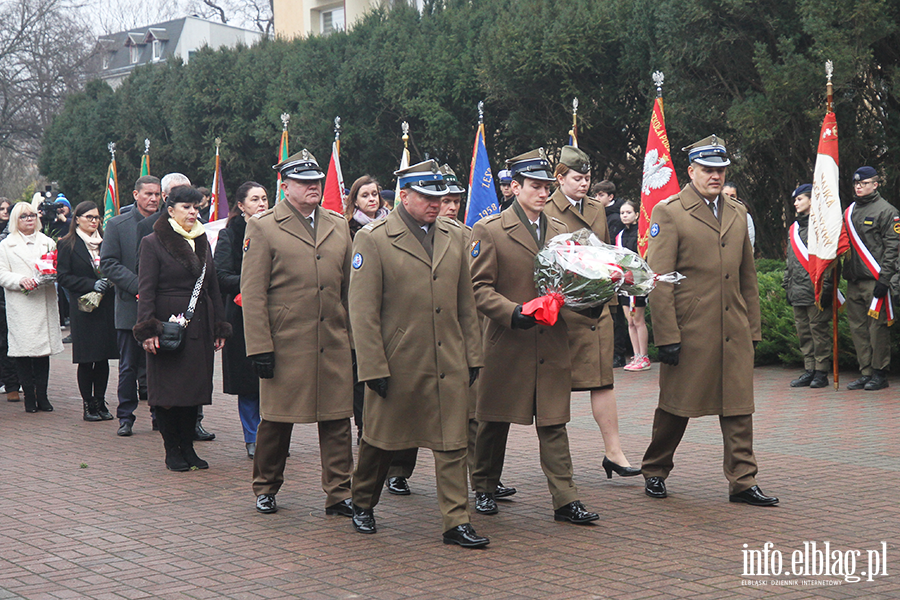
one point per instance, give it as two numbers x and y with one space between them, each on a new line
30 398
168 428
187 424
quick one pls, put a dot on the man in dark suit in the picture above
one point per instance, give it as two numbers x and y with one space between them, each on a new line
118 263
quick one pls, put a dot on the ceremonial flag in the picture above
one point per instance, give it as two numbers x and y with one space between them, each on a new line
573 136
659 181
218 203
482 193
282 156
111 201
404 162
333 196
825 215
145 164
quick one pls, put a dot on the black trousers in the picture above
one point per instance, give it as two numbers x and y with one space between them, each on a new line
34 374
9 377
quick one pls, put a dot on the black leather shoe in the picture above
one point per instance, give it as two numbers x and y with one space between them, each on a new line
363 519
820 380
618 361
265 503
344 508
124 429
878 382
804 380
202 435
859 384
504 492
655 487
609 466
753 496
484 504
465 536
575 512
398 486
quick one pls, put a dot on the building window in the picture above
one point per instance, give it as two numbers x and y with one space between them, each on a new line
332 20
134 54
157 49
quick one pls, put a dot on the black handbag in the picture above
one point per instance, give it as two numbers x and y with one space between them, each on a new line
171 338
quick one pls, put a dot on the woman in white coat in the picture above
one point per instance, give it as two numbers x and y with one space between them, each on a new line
31 310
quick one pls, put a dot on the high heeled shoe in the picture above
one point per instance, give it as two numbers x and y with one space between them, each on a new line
609 466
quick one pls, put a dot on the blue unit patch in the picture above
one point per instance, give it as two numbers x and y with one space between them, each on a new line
246 244
654 230
357 260
476 248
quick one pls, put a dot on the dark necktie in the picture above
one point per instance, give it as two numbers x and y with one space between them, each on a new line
712 207
537 231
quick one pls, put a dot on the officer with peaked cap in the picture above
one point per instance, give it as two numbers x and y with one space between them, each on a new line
505 179
294 287
591 340
705 327
527 375
873 228
418 345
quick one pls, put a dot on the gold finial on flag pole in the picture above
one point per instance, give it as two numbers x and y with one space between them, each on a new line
218 143
405 128
285 119
573 133
658 79
829 89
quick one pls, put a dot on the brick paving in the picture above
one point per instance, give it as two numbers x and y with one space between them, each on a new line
89 515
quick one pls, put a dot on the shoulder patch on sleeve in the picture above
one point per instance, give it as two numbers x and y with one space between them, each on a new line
357 260
896 227
476 248
246 244
654 230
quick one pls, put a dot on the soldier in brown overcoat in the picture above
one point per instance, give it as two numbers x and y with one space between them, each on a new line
591 341
705 327
294 284
527 375
418 347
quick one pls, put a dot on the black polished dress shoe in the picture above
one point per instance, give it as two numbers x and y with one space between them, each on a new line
575 512
609 466
265 503
344 508
398 486
804 380
859 384
655 487
202 435
820 380
753 496
124 429
465 536
363 520
878 382
504 492
484 504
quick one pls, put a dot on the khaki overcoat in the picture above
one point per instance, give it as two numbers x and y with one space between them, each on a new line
527 373
713 313
414 321
294 295
591 341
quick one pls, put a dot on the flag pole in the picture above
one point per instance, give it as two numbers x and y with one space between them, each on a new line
337 134
829 106
573 133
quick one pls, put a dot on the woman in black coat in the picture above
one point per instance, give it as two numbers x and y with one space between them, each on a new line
238 375
171 263
93 333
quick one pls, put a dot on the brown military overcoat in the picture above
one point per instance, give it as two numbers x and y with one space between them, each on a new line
591 341
414 321
527 373
294 296
713 313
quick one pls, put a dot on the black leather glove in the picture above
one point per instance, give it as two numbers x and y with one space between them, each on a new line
264 364
881 290
825 300
101 285
520 321
379 386
473 375
593 312
668 354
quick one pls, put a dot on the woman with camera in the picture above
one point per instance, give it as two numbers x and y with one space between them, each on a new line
93 323
180 323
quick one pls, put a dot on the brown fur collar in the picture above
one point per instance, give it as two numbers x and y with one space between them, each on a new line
178 247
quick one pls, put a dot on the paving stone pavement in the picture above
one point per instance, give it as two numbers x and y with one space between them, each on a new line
86 514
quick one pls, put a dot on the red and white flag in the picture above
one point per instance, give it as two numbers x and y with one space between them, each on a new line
825 215
333 196
659 181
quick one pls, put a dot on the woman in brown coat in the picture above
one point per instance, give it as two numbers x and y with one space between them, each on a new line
171 262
